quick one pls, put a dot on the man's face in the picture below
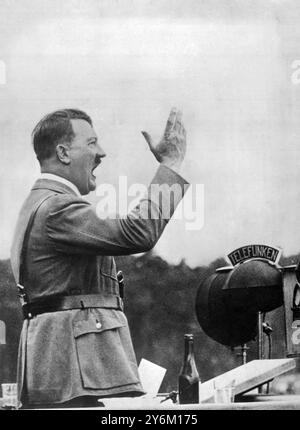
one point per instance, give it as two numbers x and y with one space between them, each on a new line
85 155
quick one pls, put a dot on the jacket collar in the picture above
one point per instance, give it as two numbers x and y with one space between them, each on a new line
60 179
53 185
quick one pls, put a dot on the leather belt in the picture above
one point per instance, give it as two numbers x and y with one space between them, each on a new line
64 303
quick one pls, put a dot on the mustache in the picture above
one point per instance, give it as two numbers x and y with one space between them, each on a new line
97 159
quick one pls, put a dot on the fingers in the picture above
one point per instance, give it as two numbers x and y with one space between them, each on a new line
178 123
148 139
174 123
179 127
171 121
182 131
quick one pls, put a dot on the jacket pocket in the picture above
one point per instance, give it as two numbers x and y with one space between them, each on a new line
104 351
96 323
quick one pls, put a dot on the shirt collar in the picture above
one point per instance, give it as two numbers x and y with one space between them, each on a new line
64 181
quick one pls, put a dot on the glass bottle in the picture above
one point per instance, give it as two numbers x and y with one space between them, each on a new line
188 380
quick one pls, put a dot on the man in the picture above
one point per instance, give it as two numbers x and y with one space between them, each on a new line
75 344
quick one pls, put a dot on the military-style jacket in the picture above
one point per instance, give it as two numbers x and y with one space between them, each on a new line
70 251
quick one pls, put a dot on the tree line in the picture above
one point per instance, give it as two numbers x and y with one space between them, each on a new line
160 307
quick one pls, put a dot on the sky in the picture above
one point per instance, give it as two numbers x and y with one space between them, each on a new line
228 65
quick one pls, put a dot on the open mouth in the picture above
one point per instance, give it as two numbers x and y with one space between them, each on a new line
94 168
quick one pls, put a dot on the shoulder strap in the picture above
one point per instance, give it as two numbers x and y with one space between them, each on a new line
26 239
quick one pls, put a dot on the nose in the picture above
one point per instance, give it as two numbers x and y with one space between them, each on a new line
100 151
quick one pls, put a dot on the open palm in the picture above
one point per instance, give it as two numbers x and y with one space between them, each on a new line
172 147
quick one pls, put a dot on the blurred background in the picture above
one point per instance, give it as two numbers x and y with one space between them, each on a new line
160 307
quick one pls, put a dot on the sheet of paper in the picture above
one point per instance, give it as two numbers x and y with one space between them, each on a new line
151 376
146 402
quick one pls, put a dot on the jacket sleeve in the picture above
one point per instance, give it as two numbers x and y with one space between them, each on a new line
74 227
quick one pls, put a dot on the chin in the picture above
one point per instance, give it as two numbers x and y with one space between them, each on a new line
90 185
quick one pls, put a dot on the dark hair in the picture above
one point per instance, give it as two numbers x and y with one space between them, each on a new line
54 128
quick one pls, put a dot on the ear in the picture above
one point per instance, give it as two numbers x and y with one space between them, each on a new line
62 153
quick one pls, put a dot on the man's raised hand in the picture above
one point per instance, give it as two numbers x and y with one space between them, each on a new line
170 151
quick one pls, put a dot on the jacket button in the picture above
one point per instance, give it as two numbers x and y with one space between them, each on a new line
98 324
